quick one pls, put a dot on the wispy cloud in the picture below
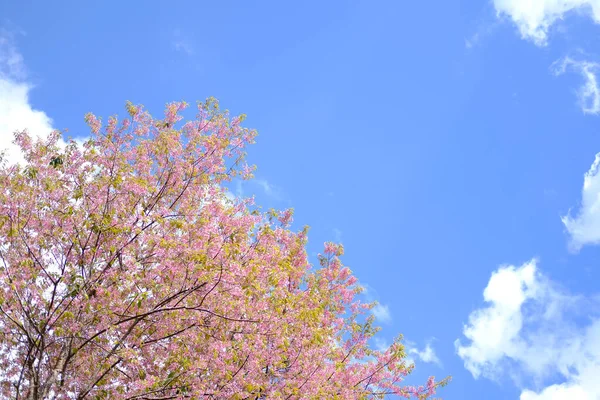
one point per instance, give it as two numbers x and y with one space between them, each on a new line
266 187
337 235
473 40
239 188
183 46
258 186
483 29
584 228
426 355
534 18
589 93
382 313
16 111
182 43
269 189
11 61
529 328
380 343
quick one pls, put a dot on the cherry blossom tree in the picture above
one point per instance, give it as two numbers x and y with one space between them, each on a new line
127 272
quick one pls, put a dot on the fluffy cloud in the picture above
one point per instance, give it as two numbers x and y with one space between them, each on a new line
584 227
494 331
524 332
535 17
16 113
557 392
589 92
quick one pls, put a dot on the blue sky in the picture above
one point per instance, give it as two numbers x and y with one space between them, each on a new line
444 143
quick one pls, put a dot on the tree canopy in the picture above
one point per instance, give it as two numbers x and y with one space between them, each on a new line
128 272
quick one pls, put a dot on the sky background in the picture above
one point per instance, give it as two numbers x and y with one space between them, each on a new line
445 144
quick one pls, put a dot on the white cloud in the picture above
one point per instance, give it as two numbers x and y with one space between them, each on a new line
266 187
589 93
239 189
557 392
535 17
382 313
580 362
524 332
249 188
16 113
269 189
380 343
584 228
426 355
11 61
494 331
